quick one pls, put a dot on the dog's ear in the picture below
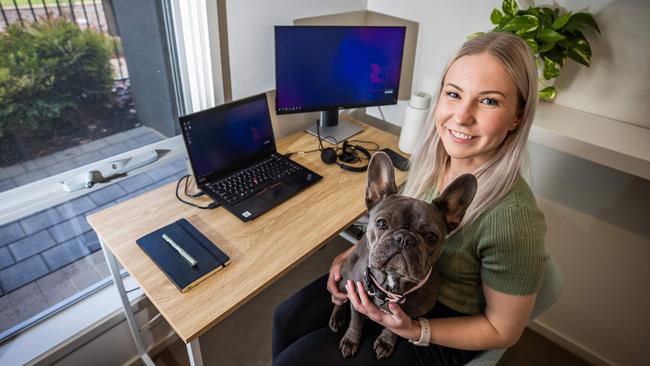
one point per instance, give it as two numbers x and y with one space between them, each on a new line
381 179
455 199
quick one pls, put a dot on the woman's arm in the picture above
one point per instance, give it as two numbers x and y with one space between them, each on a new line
500 326
338 297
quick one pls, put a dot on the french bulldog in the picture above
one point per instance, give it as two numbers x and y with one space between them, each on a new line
395 260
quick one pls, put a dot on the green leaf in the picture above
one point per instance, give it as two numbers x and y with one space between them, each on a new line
510 7
522 24
551 69
561 21
557 55
580 52
532 44
550 35
547 93
496 16
546 46
474 35
580 21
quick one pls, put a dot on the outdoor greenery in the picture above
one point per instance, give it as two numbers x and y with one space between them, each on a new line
50 71
551 34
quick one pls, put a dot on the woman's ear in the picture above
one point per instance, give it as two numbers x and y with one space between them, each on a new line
515 124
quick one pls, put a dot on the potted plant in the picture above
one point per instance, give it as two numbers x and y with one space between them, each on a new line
552 36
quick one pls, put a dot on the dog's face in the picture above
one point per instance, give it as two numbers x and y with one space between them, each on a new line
405 235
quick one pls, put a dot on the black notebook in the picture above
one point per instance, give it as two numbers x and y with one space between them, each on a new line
178 268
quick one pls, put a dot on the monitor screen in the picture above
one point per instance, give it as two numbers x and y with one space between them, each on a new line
228 137
326 67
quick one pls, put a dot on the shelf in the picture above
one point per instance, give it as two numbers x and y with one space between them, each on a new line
612 143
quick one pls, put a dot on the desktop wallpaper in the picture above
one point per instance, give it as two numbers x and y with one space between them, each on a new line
225 138
319 67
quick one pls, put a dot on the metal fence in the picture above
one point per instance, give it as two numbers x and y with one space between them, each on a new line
88 14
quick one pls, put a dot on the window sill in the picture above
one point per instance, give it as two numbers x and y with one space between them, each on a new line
605 141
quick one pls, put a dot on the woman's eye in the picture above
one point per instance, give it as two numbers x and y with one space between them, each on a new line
489 101
453 95
382 224
430 237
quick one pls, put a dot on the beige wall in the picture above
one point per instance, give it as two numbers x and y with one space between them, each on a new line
598 217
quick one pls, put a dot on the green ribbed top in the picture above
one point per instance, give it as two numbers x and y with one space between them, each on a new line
503 247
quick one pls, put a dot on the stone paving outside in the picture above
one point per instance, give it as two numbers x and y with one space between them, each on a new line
53 254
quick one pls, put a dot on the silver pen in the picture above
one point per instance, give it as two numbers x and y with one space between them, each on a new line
180 250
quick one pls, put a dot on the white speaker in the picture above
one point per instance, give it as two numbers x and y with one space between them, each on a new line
414 119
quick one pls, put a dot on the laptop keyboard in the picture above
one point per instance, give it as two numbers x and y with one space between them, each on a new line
251 180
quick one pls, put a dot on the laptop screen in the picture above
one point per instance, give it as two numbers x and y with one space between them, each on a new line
229 137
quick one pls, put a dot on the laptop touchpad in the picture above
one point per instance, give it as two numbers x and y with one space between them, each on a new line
276 193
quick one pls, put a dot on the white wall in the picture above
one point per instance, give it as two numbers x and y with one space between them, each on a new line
250 36
597 217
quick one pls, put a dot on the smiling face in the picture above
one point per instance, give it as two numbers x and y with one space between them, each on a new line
476 109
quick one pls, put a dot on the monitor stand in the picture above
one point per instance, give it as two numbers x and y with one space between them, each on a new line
332 130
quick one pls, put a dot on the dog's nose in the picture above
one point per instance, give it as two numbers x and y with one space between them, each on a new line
404 238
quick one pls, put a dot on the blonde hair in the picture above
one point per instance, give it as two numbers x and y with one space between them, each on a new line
498 175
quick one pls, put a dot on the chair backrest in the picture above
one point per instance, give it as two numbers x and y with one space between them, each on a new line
546 296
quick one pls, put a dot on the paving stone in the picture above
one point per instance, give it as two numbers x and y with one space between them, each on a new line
87 158
114 149
22 273
93 145
149 138
136 182
99 261
8 315
31 176
81 273
133 144
75 207
69 229
40 221
10 233
68 154
6 259
12 171
162 172
134 132
91 241
118 137
38 163
7 184
28 301
31 245
108 194
56 287
60 167
65 253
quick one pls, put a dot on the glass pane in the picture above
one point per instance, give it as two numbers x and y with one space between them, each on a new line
66 100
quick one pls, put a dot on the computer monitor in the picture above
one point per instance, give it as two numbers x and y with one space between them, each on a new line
327 68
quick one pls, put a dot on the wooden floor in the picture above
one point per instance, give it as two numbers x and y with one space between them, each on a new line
531 350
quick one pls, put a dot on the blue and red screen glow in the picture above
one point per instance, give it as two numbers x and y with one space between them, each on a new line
328 67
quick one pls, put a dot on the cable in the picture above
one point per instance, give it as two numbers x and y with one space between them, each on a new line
212 205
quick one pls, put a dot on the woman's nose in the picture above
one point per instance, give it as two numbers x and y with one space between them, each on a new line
464 115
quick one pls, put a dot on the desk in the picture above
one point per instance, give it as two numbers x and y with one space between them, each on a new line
261 250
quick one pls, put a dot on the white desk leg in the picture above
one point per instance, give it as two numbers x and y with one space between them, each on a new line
194 352
128 311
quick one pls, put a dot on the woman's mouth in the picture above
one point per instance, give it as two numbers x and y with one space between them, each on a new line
460 137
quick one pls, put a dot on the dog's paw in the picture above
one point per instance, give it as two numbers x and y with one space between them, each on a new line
337 320
383 347
348 347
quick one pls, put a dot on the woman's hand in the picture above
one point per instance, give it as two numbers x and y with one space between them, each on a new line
397 322
338 297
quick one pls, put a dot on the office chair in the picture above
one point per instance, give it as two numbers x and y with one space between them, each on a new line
547 295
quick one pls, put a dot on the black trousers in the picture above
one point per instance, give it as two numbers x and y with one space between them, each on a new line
301 336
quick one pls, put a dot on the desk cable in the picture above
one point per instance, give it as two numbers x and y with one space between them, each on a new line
210 206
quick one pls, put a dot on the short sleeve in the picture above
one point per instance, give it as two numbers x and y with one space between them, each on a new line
511 249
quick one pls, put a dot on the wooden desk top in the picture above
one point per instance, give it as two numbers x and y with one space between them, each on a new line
261 250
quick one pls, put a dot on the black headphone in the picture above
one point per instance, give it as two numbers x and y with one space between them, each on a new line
347 155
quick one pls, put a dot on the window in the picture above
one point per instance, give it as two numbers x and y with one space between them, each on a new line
80 85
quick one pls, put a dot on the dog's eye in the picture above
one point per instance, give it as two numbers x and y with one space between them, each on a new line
430 237
382 224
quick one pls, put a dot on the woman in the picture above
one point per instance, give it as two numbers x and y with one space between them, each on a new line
492 265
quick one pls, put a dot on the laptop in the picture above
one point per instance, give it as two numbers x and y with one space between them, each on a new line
233 155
